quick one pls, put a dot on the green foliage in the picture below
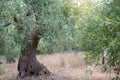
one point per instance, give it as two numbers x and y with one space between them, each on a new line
25 16
58 30
100 34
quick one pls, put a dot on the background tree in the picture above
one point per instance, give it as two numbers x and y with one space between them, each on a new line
100 35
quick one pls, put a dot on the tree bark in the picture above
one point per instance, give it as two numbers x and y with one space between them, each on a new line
28 65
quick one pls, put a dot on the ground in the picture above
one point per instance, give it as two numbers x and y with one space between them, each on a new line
67 66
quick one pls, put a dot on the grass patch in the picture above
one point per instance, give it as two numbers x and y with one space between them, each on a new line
2 70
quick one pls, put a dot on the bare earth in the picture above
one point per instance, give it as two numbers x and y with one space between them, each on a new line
67 66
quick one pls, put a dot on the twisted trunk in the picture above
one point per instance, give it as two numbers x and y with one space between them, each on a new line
28 64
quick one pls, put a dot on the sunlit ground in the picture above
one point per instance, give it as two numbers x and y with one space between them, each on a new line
67 66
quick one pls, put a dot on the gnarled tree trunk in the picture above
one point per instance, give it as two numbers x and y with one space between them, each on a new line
28 64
